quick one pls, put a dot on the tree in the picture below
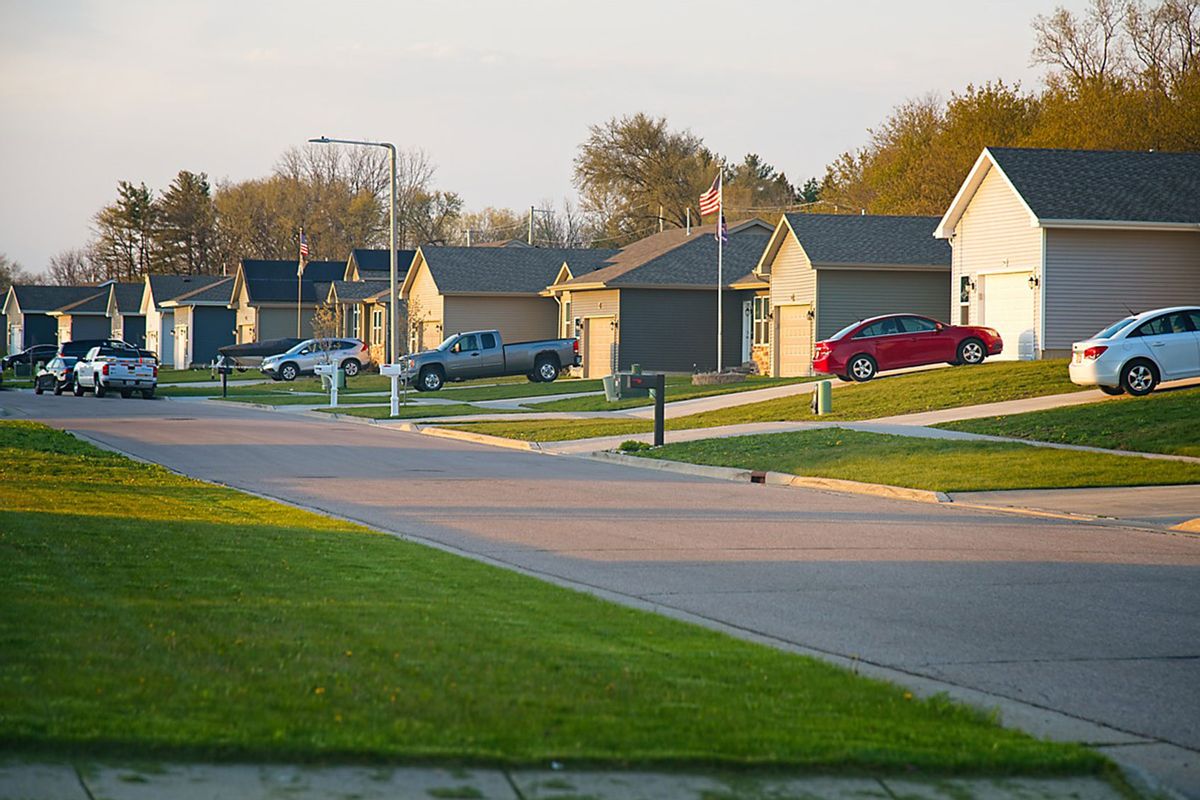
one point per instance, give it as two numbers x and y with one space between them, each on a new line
74 267
11 272
491 225
185 235
1088 49
124 247
754 186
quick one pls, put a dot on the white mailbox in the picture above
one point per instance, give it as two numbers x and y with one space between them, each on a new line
329 371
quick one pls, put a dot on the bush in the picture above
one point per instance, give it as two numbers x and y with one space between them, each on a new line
632 446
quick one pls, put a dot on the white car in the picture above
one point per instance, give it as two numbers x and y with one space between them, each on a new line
1138 352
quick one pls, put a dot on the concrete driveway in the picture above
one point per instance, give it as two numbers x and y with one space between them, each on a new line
1075 630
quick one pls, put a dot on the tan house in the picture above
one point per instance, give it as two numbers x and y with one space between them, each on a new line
826 271
360 311
268 297
1051 246
452 289
654 303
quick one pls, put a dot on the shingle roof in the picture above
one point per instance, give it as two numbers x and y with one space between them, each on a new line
674 258
505 270
873 239
220 291
1104 185
380 261
274 281
96 303
128 297
353 291
39 299
168 287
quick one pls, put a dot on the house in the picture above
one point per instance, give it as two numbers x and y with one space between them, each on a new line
160 319
451 289
1051 246
86 318
654 302
365 265
204 321
825 271
268 297
360 309
27 310
124 310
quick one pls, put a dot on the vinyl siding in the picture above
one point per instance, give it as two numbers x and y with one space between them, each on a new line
793 279
70 328
995 233
424 300
39 329
1093 278
280 322
130 328
847 295
676 330
517 318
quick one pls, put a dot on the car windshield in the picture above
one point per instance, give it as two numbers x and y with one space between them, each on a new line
299 347
1112 329
844 331
448 343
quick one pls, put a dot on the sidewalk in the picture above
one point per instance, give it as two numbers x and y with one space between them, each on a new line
245 781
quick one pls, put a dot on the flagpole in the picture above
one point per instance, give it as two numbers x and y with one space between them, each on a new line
720 258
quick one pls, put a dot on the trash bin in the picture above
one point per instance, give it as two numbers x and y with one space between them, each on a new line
611 392
341 378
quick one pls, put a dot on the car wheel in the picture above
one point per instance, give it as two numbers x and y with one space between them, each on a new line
37 388
77 389
533 377
351 366
288 372
431 379
147 394
970 351
126 394
546 369
58 389
862 368
1139 377
844 378
98 388
1112 390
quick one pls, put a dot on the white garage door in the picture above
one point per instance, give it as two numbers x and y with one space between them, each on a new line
794 340
1008 307
599 336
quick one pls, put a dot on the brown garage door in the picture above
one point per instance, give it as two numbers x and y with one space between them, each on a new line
794 341
599 337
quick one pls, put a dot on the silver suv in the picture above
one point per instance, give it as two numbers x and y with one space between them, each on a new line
350 354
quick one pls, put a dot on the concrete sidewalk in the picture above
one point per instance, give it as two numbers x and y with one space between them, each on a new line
245 781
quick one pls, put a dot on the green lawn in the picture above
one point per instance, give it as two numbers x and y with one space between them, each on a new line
901 394
145 614
280 399
1163 422
678 388
416 412
168 375
938 465
467 391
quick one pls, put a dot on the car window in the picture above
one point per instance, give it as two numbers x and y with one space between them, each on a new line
1194 316
1112 329
884 327
448 342
468 343
918 324
488 340
843 331
1177 322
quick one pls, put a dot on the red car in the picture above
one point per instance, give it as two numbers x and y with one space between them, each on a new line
858 351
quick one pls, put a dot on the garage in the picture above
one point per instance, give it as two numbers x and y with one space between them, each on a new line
599 341
1006 305
794 337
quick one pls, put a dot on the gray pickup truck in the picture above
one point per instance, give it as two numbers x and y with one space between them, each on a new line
482 354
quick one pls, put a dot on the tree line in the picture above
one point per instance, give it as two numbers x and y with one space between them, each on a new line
1120 76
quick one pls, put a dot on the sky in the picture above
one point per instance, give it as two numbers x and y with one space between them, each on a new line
499 95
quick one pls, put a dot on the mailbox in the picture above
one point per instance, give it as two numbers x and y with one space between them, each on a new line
639 384
634 384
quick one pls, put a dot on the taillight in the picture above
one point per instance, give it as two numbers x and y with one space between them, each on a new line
822 349
575 346
104 370
1092 353
155 371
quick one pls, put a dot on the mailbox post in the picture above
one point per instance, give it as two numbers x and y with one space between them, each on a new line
329 371
399 378
640 384
223 369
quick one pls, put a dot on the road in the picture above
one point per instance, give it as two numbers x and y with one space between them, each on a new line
1096 622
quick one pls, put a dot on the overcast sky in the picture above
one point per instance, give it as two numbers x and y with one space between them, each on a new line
499 94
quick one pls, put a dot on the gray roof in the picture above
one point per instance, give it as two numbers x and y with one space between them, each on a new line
694 262
872 239
1104 185
274 281
40 299
128 297
168 287
380 261
505 270
220 291
95 304
351 291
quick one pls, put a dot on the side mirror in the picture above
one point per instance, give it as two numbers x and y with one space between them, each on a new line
940 326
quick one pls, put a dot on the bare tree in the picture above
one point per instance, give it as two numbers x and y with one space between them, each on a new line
11 272
1088 49
1165 40
74 267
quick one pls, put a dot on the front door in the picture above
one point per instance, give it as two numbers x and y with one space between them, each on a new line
182 360
747 329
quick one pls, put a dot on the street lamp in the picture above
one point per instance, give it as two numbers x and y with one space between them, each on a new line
393 340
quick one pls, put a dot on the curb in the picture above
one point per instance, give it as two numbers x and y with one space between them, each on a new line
477 438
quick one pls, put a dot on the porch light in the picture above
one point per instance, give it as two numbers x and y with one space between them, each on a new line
1034 281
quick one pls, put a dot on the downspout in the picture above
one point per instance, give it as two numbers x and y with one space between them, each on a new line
1040 334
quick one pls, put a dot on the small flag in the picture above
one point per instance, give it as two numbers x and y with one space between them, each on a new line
722 230
710 201
303 254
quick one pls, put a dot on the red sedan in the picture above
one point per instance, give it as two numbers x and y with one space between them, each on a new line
858 351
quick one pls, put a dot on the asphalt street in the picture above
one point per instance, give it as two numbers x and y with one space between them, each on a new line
1096 622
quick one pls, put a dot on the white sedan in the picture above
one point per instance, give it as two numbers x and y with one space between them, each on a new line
1138 352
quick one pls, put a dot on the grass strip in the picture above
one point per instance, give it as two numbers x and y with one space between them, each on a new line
1163 422
147 614
417 412
934 464
678 388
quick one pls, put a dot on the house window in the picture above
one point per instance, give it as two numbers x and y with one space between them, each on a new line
377 326
356 321
566 306
762 320
964 300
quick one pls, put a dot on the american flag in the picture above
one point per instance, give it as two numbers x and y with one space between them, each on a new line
710 201
303 254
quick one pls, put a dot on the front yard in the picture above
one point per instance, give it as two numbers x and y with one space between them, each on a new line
1163 422
934 464
145 614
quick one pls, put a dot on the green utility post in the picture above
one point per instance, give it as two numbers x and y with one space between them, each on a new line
824 397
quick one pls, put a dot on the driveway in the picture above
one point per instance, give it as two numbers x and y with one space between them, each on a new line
1095 622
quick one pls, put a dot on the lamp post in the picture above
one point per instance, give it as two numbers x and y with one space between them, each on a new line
393 338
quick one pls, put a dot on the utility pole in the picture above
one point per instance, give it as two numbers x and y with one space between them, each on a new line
531 225
689 220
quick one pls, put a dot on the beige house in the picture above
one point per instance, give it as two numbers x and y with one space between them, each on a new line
1051 246
452 289
825 271
360 311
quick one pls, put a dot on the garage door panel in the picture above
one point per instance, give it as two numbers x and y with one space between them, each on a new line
1007 306
794 341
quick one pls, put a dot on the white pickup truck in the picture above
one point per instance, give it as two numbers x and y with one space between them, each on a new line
117 368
